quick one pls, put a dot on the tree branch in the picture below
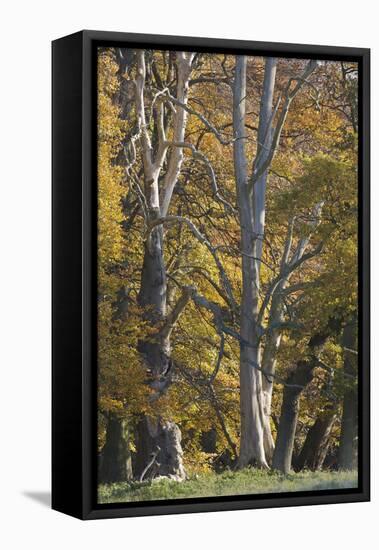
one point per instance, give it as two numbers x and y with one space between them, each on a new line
223 276
261 167
176 311
199 155
183 63
287 270
202 118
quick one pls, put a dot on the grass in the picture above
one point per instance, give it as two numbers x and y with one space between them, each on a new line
244 482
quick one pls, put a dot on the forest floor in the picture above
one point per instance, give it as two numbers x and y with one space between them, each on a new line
244 482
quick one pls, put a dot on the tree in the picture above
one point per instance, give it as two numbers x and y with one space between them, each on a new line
348 449
255 430
316 444
297 381
157 433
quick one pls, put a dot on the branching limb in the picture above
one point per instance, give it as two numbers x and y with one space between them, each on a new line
215 309
202 118
298 287
283 325
140 107
184 65
176 312
151 462
203 158
260 167
205 275
202 239
287 270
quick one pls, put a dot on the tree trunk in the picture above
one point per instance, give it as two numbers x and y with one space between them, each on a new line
251 407
271 347
348 449
316 443
152 297
209 441
158 442
155 435
256 438
296 382
115 460
259 211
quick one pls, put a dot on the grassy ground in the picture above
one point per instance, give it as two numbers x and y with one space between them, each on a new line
244 482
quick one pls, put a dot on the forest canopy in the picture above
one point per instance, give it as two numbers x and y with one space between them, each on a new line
227 265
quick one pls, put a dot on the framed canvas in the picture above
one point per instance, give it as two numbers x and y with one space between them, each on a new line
210 275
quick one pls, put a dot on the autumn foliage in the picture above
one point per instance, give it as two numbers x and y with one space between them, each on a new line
311 195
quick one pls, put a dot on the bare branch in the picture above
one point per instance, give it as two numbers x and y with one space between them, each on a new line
313 221
205 275
183 63
283 325
202 118
261 167
176 312
140 106
209 80
202 239
199 155
288 244
353 351
288 269
297 287
151 462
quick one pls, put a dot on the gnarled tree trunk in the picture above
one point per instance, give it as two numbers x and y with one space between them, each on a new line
156 437
159 444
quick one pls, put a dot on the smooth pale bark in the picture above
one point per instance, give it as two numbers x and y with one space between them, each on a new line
179 127
251 407
115 462
348 448
269 355
316 444
264 143
259 210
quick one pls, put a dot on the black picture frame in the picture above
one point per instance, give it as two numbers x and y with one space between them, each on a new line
74 275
